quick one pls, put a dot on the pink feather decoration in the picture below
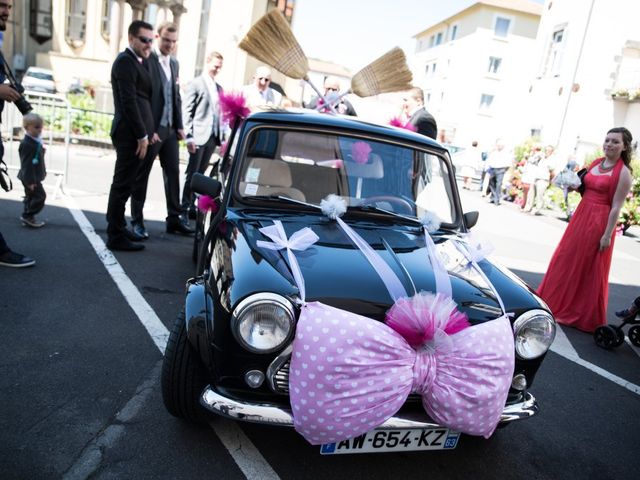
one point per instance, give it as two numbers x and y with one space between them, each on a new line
234 108
397 122
360 152
207 204
223 148
418 318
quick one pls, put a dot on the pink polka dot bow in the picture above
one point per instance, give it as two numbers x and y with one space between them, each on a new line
349 373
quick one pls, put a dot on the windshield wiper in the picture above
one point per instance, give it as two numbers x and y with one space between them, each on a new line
373 208
282 198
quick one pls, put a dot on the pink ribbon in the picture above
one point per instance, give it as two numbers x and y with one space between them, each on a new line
349 374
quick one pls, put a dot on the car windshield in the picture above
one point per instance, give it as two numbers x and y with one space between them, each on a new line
40 75
308 166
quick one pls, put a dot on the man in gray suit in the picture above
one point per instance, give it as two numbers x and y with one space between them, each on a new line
202 125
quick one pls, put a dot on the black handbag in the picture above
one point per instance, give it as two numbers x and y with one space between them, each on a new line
581 174
5 180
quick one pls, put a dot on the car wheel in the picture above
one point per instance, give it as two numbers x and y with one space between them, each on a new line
634 335
605 337
183 376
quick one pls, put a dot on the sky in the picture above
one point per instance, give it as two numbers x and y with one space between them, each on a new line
353 33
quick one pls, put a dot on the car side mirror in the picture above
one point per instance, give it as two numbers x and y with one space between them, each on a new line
204 185
470 219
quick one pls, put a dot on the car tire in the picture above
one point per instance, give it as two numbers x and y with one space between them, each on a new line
183 376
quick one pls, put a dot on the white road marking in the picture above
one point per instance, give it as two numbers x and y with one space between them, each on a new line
245 454
242 450
156 329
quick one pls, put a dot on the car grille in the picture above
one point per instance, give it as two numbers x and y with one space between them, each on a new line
281 379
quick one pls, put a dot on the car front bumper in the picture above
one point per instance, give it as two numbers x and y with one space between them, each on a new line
270 414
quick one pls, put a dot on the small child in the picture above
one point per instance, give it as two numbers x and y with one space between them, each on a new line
32 169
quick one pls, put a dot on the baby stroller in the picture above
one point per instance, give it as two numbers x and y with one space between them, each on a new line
610 336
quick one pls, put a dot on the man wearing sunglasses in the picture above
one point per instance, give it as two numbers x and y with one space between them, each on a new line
260 92
166 106
332 92
131 131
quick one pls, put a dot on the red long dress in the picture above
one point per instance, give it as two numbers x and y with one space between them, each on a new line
576 285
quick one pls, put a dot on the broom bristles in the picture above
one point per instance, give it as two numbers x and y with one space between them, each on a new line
389 73
271 40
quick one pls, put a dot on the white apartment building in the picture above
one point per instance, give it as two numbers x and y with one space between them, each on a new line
475 69
587 76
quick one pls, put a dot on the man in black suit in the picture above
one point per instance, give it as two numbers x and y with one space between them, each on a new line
202 125
413 106
166 107
131 130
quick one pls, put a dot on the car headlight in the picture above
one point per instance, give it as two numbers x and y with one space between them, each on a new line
263 322
534 332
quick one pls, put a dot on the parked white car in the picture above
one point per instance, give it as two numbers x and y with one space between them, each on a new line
39 80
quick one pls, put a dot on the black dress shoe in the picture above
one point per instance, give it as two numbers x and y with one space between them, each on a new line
179 227
140 230
124 245
132 236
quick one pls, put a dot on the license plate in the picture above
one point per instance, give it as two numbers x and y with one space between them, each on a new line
394 441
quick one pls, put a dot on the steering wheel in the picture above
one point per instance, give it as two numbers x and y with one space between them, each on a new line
404 207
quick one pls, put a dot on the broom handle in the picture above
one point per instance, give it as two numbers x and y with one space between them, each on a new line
331 106
335 101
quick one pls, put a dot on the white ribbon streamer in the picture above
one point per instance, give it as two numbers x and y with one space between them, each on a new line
443 282
300 240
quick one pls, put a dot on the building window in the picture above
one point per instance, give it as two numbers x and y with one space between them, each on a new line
426 69
485 102
494 64
40 28
501 28
454 32
433 68
76 26
432 40
428 98
105 20
201 44
151 14
439 38
285 6
555 52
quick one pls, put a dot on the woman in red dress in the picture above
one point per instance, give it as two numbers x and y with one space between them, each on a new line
576 284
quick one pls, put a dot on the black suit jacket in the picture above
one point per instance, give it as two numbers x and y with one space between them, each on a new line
131 85
157 96
31 172
425 123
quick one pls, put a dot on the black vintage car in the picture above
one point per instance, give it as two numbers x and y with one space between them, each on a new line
230 350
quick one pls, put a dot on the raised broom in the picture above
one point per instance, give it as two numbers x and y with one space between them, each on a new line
271 40
388 73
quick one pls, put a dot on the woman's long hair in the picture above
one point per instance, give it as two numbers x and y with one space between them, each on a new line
627 138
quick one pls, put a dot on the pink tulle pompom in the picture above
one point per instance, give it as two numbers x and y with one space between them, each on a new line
207 204
234 108
360 152
418 318
397 122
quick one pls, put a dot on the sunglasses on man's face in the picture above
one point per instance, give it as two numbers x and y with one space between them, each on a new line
264 79
145 40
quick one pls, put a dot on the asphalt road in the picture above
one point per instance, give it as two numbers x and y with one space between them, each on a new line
82 340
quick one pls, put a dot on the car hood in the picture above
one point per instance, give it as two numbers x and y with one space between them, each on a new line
336 273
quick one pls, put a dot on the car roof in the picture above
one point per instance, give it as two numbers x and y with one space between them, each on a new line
306 117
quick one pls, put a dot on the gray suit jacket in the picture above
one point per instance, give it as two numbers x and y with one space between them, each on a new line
199 111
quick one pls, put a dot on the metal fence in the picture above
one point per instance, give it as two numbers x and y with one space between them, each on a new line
63 123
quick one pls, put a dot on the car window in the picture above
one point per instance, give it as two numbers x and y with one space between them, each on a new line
308 166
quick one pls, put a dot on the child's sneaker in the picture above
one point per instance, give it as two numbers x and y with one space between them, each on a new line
31 222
